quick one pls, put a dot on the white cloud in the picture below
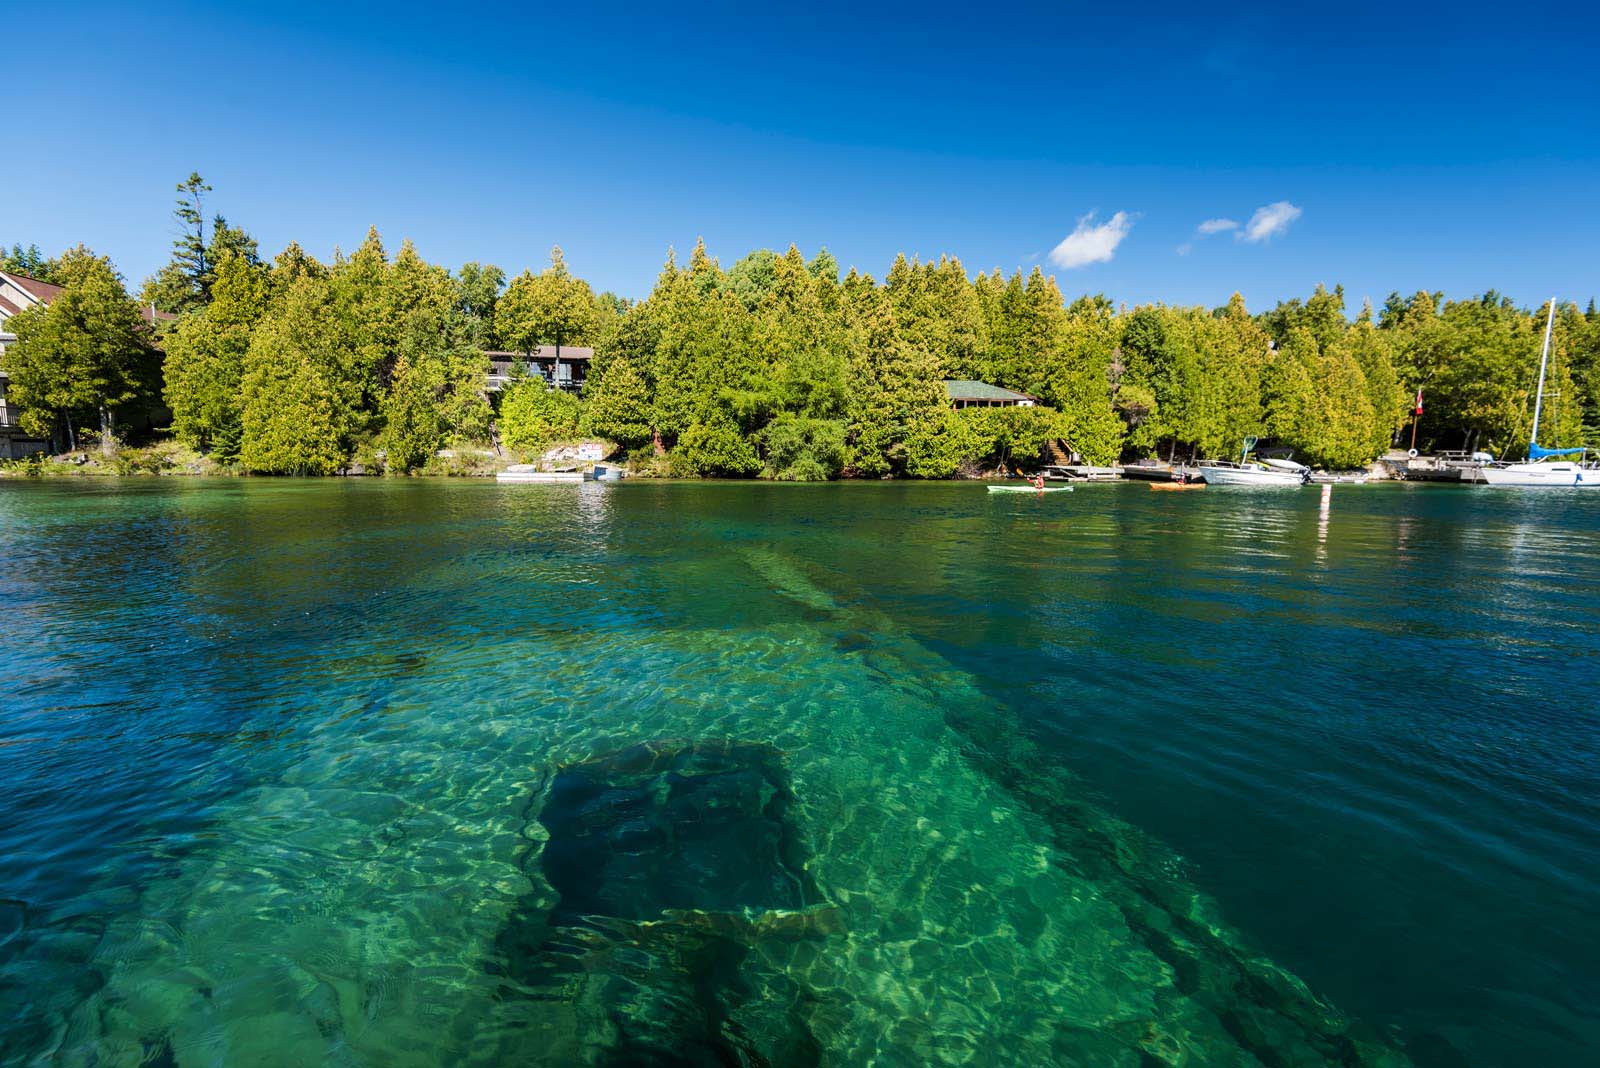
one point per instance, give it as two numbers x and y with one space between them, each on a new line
1089 243
1215 226
1269 222
1186 248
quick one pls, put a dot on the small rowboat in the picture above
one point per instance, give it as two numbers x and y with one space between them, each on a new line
1030 489
1177 485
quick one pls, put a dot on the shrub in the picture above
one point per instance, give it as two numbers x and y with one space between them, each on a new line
532 415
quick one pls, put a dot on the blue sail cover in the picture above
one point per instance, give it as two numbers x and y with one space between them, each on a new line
1539 452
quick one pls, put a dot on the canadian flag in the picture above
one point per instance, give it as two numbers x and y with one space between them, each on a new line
1419 400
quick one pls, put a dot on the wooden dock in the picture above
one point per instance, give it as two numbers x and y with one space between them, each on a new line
1083 473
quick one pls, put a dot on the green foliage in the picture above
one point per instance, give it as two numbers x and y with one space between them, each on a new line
778 366
550 308
82 355
977 438
186 282
533 416
801 449
619 408
299 402
718 449
478 288
1477 362
436 391
28 261
205 356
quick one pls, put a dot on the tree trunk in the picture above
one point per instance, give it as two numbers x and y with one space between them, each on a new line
108 425
72 436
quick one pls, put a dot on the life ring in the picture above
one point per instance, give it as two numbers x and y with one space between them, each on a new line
1412 454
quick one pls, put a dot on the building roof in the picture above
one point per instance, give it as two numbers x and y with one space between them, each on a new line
545 352
967 390
43 292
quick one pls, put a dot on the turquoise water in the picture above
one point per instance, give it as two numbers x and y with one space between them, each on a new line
416 773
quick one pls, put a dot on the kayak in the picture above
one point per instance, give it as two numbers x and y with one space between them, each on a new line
1030 489
1177 485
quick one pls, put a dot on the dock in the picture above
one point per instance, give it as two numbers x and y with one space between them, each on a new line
530 473
1440 467
1083 473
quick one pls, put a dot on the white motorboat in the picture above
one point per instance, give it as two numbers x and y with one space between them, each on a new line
1248 472
1543 468
1228 473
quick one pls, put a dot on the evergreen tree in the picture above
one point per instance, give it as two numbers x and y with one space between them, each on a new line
293 264
618 407
1341 433
533 416
896 387
185 283
300 403
1373 352
478 288
205 354
1288 388
1079 381
436 393
30 262
549 308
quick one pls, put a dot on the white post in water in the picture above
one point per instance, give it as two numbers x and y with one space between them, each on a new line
1538 400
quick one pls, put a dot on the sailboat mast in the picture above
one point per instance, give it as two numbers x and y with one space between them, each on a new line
1538 402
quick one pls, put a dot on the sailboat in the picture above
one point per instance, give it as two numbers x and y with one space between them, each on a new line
1542 468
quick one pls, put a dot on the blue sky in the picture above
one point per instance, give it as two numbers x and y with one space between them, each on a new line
1397 147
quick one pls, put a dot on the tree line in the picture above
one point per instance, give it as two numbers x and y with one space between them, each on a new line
778 366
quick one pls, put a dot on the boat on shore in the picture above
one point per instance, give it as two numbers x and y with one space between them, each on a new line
1543 468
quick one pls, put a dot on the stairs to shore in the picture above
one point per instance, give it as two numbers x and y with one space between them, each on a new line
1056 453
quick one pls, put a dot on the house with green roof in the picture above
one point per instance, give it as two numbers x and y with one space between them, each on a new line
967 394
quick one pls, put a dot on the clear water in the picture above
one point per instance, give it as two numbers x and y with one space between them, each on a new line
418 773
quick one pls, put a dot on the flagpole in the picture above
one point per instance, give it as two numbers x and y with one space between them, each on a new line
1416 414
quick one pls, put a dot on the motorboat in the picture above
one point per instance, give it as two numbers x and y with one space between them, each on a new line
1278 471
1543 467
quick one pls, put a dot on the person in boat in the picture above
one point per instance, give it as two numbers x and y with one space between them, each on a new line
1038 481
